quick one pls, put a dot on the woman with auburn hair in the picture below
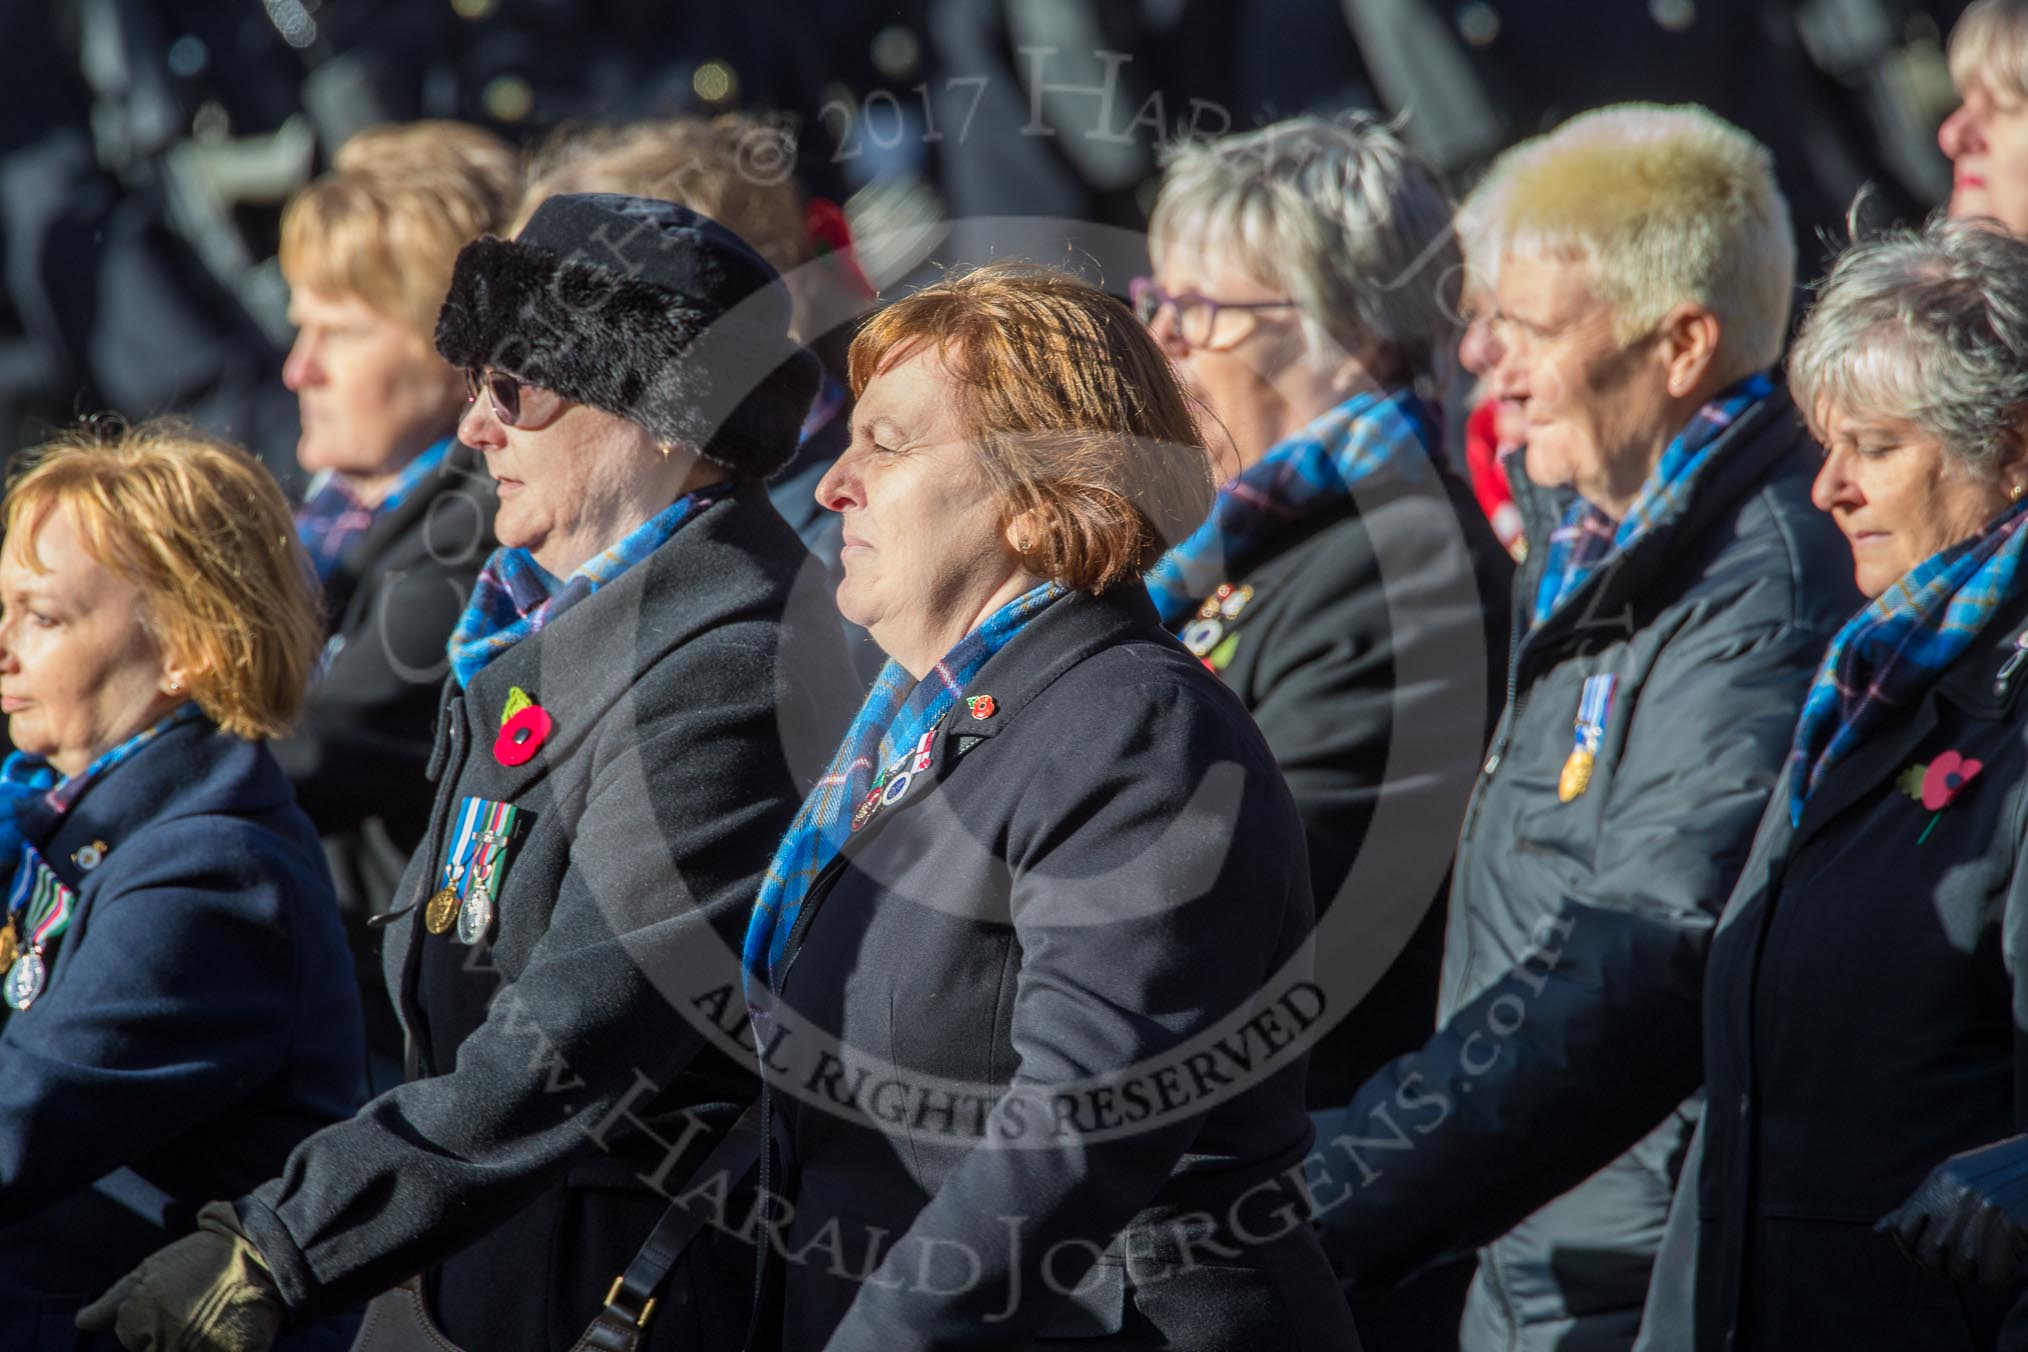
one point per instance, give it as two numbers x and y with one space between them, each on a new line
180 1011
1051 859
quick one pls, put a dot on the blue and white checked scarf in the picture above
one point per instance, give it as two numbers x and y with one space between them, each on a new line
1587 537
332 517
897 712
24 777
515 596
1903 640
1315 468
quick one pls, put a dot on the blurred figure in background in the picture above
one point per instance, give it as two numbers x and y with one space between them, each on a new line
180 1011
1345 586
1986 138
1676 610
398 518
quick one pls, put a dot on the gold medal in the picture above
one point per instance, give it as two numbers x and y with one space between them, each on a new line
442 911
10 946
1576 776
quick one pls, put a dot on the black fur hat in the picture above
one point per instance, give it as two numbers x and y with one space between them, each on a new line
644 309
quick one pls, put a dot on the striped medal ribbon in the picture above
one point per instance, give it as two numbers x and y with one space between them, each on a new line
38 912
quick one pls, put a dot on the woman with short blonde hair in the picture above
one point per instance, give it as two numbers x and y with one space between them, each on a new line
1986 137
1050 855
397 518
180 1008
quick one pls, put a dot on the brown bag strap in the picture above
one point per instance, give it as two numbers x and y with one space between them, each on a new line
617 1327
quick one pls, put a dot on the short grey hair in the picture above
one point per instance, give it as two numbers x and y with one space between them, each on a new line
1356 226
1929 326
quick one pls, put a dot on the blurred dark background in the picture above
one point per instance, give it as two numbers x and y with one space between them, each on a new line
146 146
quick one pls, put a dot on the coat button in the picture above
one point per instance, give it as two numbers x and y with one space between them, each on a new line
1745 1107
1492 763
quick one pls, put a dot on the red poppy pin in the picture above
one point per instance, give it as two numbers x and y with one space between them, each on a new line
982 706
1937 785
524 727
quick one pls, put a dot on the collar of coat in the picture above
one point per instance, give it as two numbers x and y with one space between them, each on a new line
1074 628
1608 599
1062 636
467 535
734 561
192 770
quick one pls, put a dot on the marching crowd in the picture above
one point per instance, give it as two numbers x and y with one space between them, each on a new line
1059 820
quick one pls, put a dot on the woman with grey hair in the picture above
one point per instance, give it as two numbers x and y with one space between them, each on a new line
1345 585
1865 999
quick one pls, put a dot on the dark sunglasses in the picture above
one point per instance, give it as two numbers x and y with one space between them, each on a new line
507 394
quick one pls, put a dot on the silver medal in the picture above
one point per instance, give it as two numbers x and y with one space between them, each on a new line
475 916
25 980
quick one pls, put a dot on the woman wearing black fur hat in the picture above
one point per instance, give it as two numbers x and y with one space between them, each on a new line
640 685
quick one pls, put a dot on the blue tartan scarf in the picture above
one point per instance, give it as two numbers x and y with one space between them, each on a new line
898 711
515 596
1906 637
1587 537
1316 468
332 517
25 778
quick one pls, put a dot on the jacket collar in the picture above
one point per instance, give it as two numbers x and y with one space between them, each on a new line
589 658
190 770
1069 631
459 472
1748 451
1973 686
1062 636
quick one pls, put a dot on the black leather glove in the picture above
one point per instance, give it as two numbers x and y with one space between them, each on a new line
1968 1221
208 1292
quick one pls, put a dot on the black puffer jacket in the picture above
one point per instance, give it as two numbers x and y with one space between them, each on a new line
1548 1117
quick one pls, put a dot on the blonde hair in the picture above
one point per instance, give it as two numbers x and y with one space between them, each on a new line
733 168
202 529
1667 205
1989 45
385 225
1076 415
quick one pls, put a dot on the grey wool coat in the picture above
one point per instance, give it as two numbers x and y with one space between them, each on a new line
573 1067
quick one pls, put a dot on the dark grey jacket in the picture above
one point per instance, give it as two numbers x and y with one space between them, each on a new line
571 1066
1068 973
1372 652
1547 1118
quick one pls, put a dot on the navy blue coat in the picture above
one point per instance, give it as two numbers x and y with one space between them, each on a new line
1866 1018
199 1020
1102 873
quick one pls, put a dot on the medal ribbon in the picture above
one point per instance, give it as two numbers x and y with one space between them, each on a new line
39 898
461 842
1593 708
496 824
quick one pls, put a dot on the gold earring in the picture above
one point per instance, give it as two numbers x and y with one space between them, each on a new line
2014 492
667 448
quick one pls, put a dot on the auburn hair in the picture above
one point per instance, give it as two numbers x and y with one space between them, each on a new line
1077 417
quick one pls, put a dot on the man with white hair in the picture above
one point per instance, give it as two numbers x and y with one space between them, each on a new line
1669 620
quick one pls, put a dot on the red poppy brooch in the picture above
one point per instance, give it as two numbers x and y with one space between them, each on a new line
524 727
1937 785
